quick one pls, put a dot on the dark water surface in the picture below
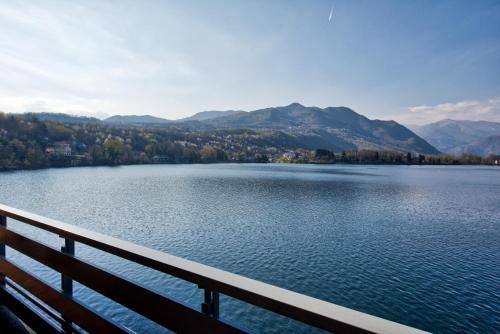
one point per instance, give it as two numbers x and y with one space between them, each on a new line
417 245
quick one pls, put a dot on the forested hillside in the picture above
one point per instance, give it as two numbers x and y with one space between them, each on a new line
27 142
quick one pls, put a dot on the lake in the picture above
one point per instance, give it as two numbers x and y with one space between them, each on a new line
419 245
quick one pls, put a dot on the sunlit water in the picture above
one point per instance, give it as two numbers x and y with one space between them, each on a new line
417 245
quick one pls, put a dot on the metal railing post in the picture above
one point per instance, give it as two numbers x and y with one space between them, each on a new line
210 305
3 223
66 281
215 303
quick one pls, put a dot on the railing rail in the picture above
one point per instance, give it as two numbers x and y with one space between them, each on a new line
180 318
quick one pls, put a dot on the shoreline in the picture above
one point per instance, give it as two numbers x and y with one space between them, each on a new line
246 163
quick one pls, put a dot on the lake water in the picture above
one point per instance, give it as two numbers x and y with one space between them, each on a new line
417 245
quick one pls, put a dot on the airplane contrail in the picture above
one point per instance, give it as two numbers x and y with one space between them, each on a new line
331 14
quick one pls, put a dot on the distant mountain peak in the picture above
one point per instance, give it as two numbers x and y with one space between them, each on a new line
212 114
295 105
458 136
136 119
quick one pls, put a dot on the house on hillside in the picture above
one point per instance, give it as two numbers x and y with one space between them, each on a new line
59 149
290 155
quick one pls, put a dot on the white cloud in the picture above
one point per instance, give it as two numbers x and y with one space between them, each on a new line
70 105
73 59
474 110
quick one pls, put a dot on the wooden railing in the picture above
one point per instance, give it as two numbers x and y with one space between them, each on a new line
65 311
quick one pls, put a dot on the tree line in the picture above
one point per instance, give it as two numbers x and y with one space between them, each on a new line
29 143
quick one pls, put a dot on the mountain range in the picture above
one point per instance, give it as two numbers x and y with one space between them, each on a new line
335 128
332 128
459 136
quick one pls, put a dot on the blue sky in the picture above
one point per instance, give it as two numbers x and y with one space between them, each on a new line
413 61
